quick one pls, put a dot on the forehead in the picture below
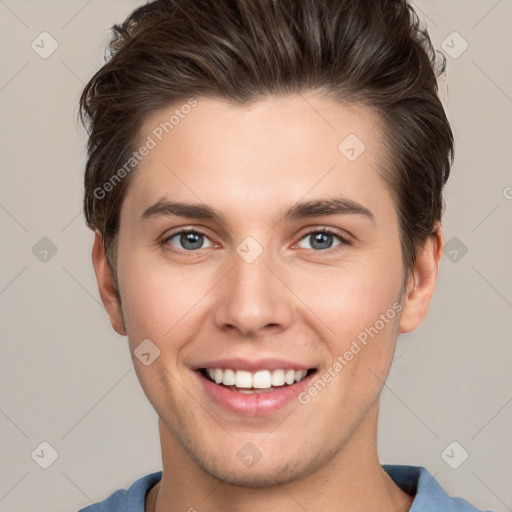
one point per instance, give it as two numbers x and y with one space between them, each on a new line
297 120
277 149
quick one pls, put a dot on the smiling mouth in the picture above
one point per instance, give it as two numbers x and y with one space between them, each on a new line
263 381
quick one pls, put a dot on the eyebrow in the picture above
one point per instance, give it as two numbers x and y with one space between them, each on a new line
303 210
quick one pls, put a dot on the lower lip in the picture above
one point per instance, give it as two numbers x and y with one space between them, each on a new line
254 404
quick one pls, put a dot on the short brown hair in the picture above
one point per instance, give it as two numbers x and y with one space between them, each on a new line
369 52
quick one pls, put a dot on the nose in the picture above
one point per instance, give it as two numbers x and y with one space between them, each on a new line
253 298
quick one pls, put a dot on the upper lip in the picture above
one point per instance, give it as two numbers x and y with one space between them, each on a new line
253 365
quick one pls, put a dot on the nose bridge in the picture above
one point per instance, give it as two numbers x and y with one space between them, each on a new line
253 297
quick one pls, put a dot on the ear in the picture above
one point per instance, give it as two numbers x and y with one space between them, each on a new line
106 287
421 282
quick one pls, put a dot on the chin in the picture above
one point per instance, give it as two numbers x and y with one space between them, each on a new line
264 473
255 478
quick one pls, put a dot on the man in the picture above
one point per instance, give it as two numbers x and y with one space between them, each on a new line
265 185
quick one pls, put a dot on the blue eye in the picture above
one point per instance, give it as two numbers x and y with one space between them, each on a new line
322 240
189 240
186 241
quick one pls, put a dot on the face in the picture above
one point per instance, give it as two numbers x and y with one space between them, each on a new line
291 262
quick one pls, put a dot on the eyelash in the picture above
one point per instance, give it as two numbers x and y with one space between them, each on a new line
191 253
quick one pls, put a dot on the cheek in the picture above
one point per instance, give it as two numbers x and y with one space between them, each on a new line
352 296
362 314
156 297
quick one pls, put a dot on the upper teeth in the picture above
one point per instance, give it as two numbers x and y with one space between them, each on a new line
261 379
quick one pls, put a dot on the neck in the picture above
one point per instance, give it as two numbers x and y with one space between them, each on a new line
359 484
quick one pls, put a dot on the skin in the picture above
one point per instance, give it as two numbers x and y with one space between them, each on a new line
294 302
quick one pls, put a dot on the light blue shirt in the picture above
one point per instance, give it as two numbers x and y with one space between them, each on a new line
414 480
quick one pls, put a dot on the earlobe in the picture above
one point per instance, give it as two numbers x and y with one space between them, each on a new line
422 282
106 286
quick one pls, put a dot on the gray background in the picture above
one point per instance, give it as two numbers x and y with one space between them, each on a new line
67 378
